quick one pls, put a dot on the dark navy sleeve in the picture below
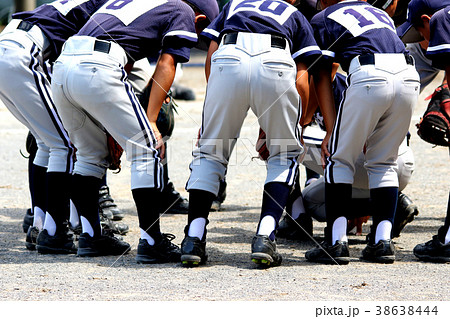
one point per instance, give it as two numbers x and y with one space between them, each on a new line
180 36
321 35
214 29
439 47
304 46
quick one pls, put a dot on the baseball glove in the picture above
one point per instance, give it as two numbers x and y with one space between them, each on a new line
166 116
115 152
434 126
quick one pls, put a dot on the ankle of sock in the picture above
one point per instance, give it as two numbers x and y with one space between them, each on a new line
339 230
383 231
197 228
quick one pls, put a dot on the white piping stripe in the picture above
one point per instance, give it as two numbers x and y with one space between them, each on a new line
304 50
439 47
212 32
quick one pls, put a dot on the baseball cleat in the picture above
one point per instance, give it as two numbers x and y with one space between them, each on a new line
193 251
103 245
107 205
30 240
433 251
327 254
264 252
27 220
299 229
383 252
163 252
60 243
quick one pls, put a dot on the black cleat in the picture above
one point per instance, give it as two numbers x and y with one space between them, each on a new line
27 220
220 198
327 254
173 203
60 243
115 227
406 210
107 205
433 251
30 240
193 251
264 252
103 245
299 229
383 252
163 252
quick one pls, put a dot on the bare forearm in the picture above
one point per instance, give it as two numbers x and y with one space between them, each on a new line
213 46
162 81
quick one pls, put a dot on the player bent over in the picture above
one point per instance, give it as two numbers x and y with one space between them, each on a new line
28 44
93 96
430 19
374 117
258 59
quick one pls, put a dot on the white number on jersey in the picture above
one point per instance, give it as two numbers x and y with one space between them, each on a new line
359 19
129 10
64 6
279 11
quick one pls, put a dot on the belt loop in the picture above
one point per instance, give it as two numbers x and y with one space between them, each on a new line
102 46
25 26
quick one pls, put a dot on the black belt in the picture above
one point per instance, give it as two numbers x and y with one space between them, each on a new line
276 41
102 46
369 59
25 26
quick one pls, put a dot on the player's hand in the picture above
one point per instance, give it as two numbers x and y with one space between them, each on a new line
159 141
324 147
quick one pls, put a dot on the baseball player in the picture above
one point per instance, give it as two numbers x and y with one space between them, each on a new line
430 20
373 117
259 51
27 44
93 96
311 200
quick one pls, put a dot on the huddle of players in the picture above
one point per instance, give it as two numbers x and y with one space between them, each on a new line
91 95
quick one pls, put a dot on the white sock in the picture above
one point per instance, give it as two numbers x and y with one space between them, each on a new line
197 228
266 226
447 237
147 237
383 231
86 226
74 219
298 208
339 231
39 218
49 224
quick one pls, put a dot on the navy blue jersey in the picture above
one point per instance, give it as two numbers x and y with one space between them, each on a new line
352 28
274 17
60 19
145 28
439 47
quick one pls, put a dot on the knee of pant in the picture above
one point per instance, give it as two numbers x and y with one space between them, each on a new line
147 173
42 157
89 169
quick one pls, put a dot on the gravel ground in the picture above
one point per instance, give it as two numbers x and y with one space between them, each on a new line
229 274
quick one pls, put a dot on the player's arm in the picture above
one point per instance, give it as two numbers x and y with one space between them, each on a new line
213 46
302 84
162 81
322 81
